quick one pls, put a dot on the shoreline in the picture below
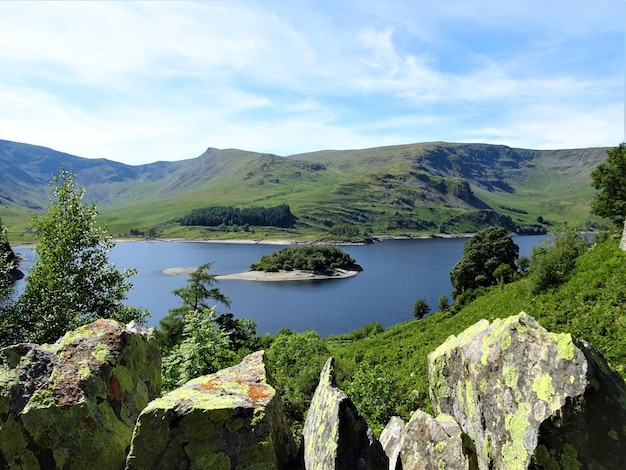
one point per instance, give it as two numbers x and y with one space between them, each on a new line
283 276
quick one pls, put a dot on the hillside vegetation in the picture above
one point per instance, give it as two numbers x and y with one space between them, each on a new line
416 189
591 305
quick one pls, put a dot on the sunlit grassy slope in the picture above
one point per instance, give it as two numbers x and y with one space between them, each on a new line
591 306
405 189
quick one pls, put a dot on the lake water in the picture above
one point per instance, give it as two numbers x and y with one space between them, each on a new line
395 273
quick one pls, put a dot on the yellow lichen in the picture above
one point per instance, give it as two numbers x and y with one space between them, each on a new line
542 386
565 348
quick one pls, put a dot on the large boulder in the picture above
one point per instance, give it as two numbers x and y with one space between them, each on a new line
228 420
73 405
529 398
428 443
390 439
335 435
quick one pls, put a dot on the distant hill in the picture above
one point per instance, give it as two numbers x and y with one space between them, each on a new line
405 189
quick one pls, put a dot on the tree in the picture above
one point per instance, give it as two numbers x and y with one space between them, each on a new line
552 261
71 282
482 255
443 303
374 391
294 361
204 348
8 331
609 178
198 295
420 308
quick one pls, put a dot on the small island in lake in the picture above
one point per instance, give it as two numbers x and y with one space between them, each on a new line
300 263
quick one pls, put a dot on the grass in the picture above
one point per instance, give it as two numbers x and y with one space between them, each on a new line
591 306
396 190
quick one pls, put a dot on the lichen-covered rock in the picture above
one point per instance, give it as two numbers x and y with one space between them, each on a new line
390 439
529 398
228 420
335 436
73 405
429 443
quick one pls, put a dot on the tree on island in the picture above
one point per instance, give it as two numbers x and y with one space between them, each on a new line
306 258
72 281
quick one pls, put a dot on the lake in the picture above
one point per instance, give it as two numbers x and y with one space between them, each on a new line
395 273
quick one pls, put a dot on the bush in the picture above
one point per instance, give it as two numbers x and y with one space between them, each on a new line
551 262
420 308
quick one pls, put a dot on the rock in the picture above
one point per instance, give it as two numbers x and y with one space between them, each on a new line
429 443
390 439
335 436
622 242
228 420
73 405
530 399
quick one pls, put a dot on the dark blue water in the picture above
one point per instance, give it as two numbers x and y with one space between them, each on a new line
395 273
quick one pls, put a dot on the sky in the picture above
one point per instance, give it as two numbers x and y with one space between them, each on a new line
139 82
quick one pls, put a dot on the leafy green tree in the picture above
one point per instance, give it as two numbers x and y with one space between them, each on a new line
552 261
444 303
199 294
204 348
374 391
72 281
8 330
7 263
482 255
295 361
609 178
420 308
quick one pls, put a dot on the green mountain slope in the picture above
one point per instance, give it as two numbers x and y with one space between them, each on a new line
590 305
404 189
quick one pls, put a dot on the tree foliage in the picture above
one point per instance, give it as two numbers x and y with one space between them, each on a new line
204 348
552 261
313 258
374 391
277 216
483 254
201 294
420 308
72 281
295 361
609 178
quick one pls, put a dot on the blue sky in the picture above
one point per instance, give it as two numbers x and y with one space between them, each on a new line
139 82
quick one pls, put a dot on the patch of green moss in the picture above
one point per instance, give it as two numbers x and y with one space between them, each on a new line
544 460
542 386
569 458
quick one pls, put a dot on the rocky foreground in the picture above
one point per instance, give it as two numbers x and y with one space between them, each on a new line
507 395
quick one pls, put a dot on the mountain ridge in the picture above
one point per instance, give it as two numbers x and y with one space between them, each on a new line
412 188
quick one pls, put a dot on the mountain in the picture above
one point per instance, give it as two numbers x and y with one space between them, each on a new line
414 188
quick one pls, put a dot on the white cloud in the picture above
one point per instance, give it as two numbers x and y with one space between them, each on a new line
145 81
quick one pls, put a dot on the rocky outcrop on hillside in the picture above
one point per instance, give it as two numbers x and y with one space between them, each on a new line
335 435
528 398
232 419
507 395
73 404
